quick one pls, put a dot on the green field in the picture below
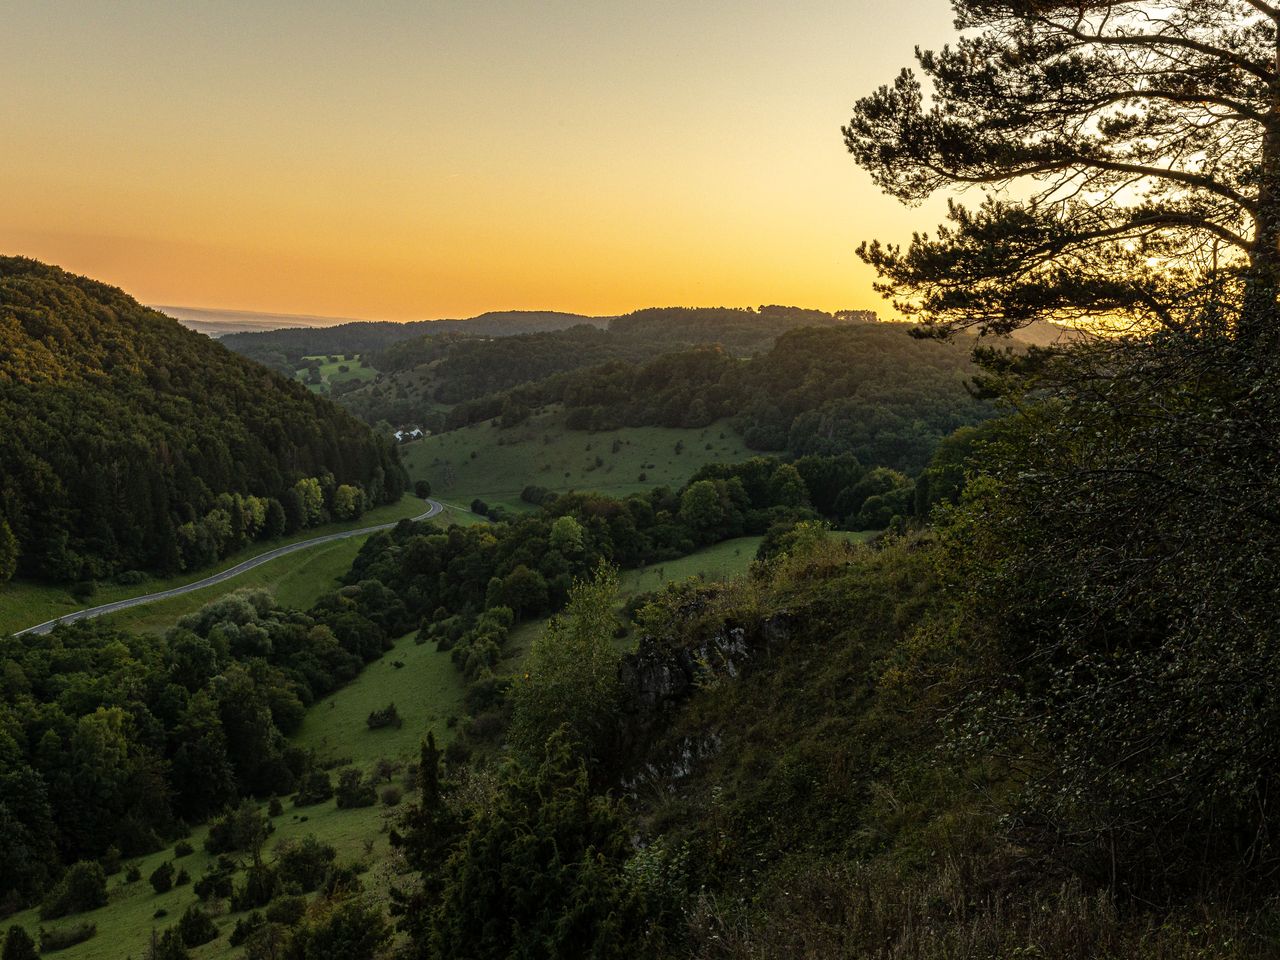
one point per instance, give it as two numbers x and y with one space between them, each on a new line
331 374
495 464
427 692
24 603
125 923
297 580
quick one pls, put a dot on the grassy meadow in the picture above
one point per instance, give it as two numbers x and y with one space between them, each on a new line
427 691
496 464
297 580
24 603
331 372
125 923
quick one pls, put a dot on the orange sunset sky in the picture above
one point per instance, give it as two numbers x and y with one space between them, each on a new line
409 160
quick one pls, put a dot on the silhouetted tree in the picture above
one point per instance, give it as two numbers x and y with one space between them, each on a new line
1143 137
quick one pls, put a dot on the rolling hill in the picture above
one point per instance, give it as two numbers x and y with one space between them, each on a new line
130 443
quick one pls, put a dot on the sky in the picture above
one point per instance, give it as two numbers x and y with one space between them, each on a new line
399 160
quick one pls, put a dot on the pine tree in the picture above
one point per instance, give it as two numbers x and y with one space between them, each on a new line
18 945
1144 137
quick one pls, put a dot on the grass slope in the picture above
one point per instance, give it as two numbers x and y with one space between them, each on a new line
721 561
298 580
495 464
125 923
25 603
427 691
331 374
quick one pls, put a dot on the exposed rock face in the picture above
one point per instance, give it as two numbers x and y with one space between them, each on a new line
662 674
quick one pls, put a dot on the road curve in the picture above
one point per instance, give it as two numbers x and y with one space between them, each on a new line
231 572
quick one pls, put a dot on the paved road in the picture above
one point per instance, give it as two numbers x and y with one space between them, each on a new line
435 507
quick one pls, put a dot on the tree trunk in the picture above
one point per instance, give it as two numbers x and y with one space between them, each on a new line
1259 314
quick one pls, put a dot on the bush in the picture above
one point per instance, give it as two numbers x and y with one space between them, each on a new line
275 808
287 911
133 874
304 863
243 828
182 849
83 590
63 937
354 790
350 929
111 861
167 946
216 882
259 887
18 945
182 879
388 716
316 787
83 887
162 878
422 489
244 928
196 927
391 796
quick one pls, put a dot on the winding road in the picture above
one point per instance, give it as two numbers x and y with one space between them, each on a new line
434 508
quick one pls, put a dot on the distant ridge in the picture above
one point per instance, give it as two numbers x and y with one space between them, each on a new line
219 323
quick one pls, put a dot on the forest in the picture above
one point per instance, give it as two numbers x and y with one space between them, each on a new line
128 443
283 350
420 376
868 389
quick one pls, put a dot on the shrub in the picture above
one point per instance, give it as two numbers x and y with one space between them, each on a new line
18 945
62 937
388 716
316 787
287 910
215 884
196 927
182 849
243 828
111 861
421 489
244 928
268 941
162 878
304 863
259 887
354 790
182 879
83 590
82 887
160 914
275 808
167 946
350 929
133 874
391 795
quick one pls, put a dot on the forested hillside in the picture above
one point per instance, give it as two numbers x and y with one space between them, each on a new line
128 442
283 350
868 389
419 377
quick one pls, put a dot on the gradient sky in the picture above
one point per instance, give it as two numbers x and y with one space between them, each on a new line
407 160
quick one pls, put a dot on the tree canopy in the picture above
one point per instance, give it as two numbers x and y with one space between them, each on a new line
128 442
1127 154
